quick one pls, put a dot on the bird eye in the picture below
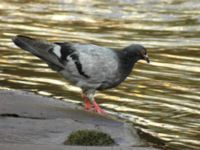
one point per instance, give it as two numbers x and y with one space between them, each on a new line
143 52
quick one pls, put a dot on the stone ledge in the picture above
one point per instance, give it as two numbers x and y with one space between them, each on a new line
61 147
27 119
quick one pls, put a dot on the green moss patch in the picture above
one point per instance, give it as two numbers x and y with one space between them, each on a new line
89 138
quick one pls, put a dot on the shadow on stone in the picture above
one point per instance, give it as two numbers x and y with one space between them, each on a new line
151 140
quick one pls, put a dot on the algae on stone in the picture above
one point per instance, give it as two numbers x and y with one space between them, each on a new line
89 137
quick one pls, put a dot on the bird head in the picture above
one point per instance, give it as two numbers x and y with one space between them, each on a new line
137 51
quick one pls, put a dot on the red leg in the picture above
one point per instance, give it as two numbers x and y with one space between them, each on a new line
87 103
98 108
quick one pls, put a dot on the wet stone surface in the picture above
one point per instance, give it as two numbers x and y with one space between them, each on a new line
26 118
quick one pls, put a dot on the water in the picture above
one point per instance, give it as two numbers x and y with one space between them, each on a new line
161 98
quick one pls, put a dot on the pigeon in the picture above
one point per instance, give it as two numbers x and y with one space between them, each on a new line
88 66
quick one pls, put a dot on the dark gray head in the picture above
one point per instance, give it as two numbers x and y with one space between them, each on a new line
137 52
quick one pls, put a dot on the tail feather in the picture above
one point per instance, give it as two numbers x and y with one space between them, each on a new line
40 49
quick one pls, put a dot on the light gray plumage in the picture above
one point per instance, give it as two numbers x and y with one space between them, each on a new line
99 68
88 66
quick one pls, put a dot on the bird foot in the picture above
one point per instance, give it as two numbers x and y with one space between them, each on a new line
87 106
98 109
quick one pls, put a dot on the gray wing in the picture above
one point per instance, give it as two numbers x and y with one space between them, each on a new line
41 49
91 66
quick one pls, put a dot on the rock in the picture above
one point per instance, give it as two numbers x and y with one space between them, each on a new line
29 118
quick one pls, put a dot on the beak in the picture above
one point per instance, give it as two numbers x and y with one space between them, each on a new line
146 57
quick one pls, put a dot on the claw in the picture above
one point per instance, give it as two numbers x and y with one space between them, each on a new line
89 107
98 109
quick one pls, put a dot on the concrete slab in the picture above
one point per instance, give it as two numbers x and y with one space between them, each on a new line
39 147
62 147
29 121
